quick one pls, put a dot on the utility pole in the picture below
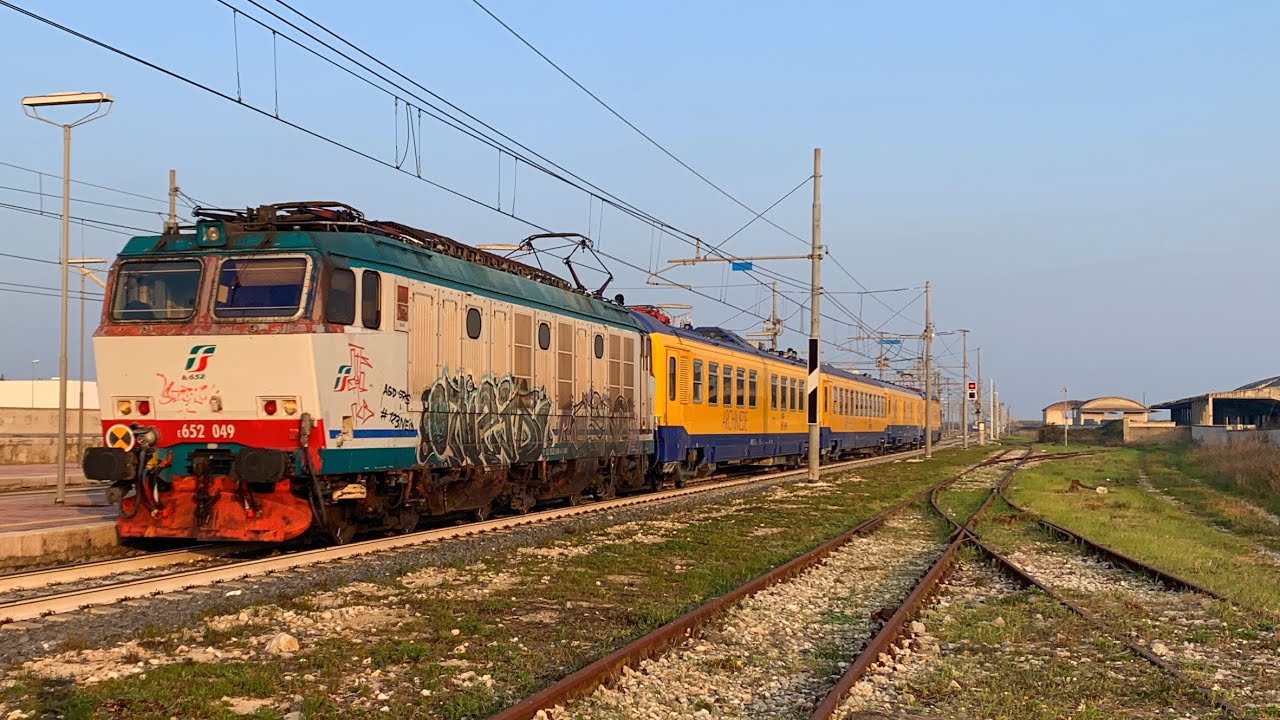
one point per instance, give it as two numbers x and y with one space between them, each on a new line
171 227
964 381
815 295
928 374
982 435
771 328
991 412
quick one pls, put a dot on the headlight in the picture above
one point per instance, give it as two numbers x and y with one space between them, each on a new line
124 407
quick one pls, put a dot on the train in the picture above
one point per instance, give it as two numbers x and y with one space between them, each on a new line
297 370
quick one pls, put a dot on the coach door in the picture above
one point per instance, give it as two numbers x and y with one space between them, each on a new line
423 341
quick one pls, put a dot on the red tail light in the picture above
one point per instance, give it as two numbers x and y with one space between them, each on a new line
269 407
144 407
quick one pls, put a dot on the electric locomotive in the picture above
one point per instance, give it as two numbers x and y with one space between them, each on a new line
296 367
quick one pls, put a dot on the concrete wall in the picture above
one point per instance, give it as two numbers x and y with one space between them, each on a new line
37 394
1155 433
1057 417
1221 436
31 436
41 449
44 421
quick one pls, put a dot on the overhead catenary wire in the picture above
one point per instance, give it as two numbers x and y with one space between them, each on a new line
82 200
625 121
660 146
605 197
84 183
103 225
663 226
594 191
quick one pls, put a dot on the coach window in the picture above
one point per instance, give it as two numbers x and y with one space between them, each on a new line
340 305
599 346
371 299
713 383
803 392
544 336
671 377
773 392
473 323
697 382
792 382
726 387
742 387
751 389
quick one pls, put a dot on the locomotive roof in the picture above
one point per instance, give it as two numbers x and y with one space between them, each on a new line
730 340
388 246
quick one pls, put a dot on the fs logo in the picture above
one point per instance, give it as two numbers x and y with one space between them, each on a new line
198 358
343 382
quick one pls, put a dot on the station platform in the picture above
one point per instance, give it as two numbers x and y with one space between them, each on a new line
34 530
29 477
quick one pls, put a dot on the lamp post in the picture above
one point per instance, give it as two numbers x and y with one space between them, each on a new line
85 273
33 383
31 106
1066 420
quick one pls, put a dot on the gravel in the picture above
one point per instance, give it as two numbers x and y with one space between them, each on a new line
954 677
100 626
1184 628
773 654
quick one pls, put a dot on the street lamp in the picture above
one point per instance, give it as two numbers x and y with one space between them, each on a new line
33 383
85 273
1065 419
31 106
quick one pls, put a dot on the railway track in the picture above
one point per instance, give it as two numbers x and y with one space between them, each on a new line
599 679
35 606
41 578
834 558
830 707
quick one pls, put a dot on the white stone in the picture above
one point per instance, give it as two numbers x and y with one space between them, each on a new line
282 643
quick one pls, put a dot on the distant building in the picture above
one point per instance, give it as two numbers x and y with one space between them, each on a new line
37 394
1095 411
1256 404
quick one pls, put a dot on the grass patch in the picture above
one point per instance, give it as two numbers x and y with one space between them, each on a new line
1042 663
561 615
1135 522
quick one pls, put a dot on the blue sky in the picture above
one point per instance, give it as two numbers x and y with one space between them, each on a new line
1091 187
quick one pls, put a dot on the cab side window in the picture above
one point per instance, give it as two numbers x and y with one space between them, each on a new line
340 303
371 299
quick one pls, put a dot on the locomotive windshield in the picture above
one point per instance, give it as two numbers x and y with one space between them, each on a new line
154 291
263 287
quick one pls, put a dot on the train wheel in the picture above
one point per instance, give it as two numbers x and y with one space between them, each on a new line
341 532
607 491
482 513
574 500
408 520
